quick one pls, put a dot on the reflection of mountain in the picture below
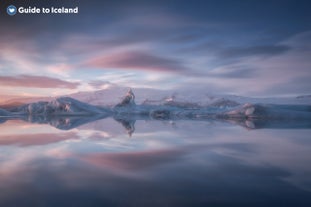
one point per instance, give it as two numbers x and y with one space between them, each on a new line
67 113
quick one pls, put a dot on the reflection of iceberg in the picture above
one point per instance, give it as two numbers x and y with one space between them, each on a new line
63 122
66 113
271 123
129 125
4 112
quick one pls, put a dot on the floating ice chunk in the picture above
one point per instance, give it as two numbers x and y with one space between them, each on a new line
249 111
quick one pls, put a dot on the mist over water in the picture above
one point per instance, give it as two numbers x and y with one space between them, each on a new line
154 163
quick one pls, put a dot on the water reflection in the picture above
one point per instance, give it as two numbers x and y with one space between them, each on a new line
128 122
164 163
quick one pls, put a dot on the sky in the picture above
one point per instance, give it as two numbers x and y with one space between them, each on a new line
258 48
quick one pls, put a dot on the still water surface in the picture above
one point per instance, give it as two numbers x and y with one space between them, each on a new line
161 163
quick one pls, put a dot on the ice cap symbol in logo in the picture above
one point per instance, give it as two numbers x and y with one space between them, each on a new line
11 10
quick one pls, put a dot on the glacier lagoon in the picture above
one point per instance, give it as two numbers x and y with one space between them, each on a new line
145 162
65 152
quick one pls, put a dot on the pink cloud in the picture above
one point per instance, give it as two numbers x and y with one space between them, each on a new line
138 61
36 82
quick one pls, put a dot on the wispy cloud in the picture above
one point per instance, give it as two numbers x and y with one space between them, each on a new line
266 71
233 71
36 82
99 84
139 61
260 50
155 44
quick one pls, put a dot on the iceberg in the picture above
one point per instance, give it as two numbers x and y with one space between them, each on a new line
4 112
66 113
59 106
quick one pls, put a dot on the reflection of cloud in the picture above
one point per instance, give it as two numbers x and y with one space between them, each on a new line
134 160
148 160
36 139
36 82
203 176
253 167
137 60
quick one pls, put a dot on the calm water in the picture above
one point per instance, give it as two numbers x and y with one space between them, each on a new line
163 163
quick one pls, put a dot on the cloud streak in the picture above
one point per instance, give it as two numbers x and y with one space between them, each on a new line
30 81
137 61
260 50
160 45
